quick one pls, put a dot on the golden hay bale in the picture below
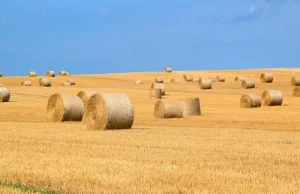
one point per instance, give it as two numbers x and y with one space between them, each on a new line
250 101
266 78
187 78
138 82
177 81
63 107
159 86
164 109
26 83
272 98
45 82
109 111
248 84
63 73
72 82
296 92
220 78
50 74
196 79
159 80
239 79
295 81
32 74
205 83
155 93
168 70
85 96
66 84
191 107
4 95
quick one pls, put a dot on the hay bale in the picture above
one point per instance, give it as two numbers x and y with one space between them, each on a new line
72 82
165 109
50 74
155 93
26 83
66 84
266 78
32 74
85 96
250 101
109 111
195 79
159 80
45 82
187 78
296 92
159 86
295 81
191 107
272 98
63 73
220 78
205 83
239 79
138 82
4 94
63 107
177 81
248 84
168 70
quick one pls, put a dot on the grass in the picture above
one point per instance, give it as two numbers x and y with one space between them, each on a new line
24 189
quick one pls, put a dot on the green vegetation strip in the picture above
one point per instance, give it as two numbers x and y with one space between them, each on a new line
25 189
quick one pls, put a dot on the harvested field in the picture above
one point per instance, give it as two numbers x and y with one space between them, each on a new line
227 149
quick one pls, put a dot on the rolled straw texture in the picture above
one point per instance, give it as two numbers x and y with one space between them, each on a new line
187 78
63 73
271 98
155 93
159 86
72 82
164 109
50 74
85 96
239 79
168 70
45 82
109 111
191 107
32 74
205 83
159 80
250 101
248 84
296 91
220 78
26 83
295 81
66 84
173 80
63 107
4 94
266 78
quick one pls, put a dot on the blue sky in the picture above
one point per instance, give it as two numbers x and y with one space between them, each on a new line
106 36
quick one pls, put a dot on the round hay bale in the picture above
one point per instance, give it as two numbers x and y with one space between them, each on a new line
248 84
45 82
168 70
191 107
26 83
295 81
109 111
63 107
138 82
4 94
205 83
187 78
50 74
32 74
250 101
220 78
239 79
85 96
177 81
164 109
66 84
159 86
266 78
155 93
63 73
272 98
196 79
72 82
159 80
296 92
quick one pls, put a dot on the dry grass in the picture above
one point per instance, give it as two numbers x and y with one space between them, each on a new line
226 150
155 93
26 83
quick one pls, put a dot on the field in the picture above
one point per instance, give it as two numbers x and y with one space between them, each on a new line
227 149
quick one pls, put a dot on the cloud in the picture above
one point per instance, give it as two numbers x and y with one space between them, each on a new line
255 12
